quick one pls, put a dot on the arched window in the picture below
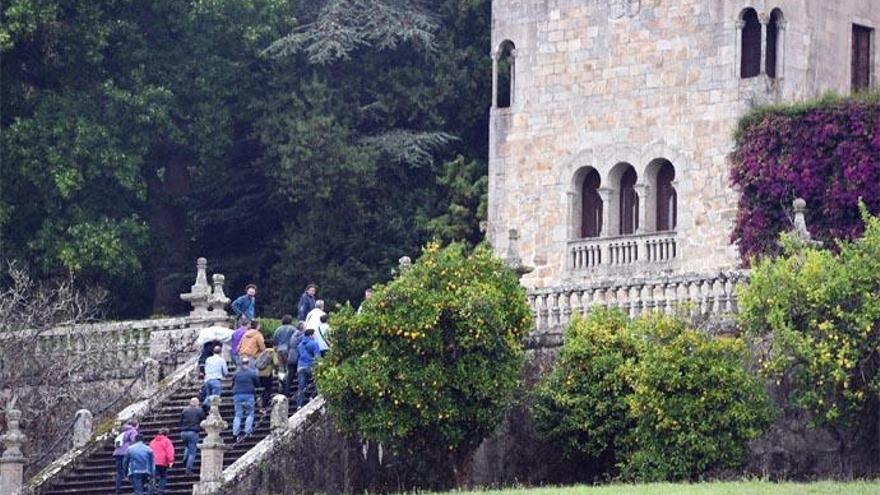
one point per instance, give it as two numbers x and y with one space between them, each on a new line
773 42
629 202
591 205
750 44
667 198
505 74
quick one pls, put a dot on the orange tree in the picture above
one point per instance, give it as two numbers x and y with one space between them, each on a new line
429 365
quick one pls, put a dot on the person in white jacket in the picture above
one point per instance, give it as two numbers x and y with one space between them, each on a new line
313 319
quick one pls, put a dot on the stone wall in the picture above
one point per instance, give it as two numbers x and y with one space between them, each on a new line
598 83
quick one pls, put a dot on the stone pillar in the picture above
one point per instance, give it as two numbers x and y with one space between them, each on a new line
12 461
513 258
512 77
82 428
780 48
606 193
280 413
737 65
494 55
404 263
212 449
150 380
763 18
642 191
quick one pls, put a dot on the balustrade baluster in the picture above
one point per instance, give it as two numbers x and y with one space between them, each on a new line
544 312
623 298
566 307
705 297
634 301
716 296
533 306
576 305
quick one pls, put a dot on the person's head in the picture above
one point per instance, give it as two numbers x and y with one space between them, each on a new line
269 343
324 318
287 319
218 349
309 332
245 362
243 322
301 325
255 325
368 294
311 289
319 304
163 431
194 402
133 422
251 290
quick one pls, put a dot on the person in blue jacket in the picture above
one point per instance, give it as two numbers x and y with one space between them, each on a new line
309 352
246 304
140 466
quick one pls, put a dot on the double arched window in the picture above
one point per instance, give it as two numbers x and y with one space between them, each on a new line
752 35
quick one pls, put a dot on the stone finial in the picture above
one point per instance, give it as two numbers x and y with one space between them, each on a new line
12 461
280 413
82 428
800 223
513 259
218 298
404 262
150 380
200 292
212 448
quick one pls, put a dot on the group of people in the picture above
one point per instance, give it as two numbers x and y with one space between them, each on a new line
291 354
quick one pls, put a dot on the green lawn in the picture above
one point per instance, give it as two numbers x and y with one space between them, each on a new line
737 488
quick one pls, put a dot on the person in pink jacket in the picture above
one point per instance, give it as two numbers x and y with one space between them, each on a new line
163 453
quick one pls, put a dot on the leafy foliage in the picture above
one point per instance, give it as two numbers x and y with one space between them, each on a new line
816 314
651 397
433 359
826 151
137 137
694 403
582 402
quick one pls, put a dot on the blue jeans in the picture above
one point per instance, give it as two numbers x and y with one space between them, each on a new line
139 481
161 479
244 406
191 439
303 378
120 472
212 387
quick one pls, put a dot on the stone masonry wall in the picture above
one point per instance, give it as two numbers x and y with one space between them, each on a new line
603 82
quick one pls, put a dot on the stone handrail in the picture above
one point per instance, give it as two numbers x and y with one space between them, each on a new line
709 295
181 377
246 466
593 253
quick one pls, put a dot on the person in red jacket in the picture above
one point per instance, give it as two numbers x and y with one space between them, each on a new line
163 452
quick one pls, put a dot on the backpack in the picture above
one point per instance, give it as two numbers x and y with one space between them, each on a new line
119 441
264 360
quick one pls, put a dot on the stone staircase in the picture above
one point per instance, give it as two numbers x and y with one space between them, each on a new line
95 474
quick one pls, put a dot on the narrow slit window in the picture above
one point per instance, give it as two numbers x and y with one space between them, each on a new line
750 45
861 57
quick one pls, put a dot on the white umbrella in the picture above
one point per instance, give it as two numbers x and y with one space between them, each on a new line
214 333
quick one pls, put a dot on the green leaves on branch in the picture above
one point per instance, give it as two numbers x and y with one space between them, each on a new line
433 358
815 314
651 399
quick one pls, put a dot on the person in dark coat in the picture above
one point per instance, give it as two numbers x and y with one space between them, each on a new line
306 302
190 423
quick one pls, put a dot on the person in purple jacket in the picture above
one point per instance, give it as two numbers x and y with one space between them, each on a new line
126 438
236 339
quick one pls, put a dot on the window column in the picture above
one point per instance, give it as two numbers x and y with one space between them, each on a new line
494 55
642 191
740 24
780 48
606 194
763 19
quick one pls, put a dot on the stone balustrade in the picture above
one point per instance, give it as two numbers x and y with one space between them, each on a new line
709 295
639 249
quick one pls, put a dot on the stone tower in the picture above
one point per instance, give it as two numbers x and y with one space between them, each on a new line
612 122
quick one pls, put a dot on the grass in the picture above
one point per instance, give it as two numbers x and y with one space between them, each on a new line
731 488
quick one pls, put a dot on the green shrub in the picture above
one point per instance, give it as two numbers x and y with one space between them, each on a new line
651 397
816 314
581 404
694 403
432 360
268 326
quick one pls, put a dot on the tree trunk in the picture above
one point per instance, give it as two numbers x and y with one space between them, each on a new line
169 222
